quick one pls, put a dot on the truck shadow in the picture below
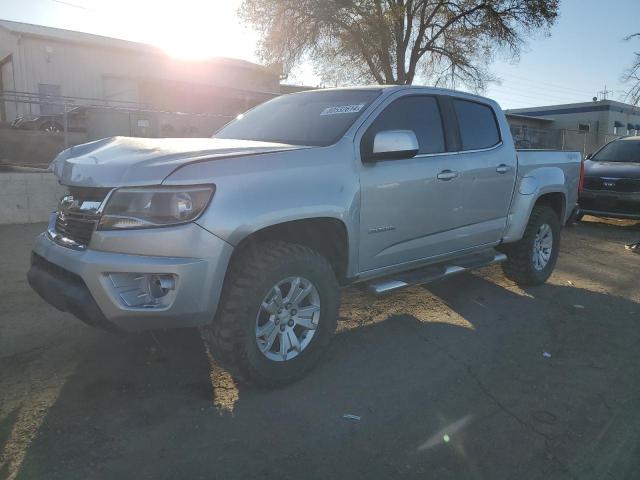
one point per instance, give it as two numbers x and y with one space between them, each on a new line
441 382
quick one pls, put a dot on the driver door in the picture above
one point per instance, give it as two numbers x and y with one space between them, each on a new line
407 204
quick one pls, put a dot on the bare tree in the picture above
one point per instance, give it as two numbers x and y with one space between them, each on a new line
632 76
396 41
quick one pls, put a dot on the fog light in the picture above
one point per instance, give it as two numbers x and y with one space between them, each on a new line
159 285
143 290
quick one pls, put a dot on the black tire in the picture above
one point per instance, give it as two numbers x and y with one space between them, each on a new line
257 268
519 266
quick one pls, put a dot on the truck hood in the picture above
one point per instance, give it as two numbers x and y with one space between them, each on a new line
126 161
612 169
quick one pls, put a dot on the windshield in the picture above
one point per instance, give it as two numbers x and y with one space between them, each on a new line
619 151
316 118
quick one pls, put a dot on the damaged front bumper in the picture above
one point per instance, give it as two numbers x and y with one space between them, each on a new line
169 277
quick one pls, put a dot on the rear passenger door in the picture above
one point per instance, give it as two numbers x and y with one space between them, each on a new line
485 176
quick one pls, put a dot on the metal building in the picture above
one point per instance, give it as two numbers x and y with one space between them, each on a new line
51 62
582 126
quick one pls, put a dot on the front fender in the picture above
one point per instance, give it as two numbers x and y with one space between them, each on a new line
253 193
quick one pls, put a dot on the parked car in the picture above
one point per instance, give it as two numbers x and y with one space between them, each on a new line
54 123
612 180
252 233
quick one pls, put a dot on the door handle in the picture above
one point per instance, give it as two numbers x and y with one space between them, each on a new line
502 168
447 175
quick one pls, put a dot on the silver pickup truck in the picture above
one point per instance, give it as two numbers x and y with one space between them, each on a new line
251 233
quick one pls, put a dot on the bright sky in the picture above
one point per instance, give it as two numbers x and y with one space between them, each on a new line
584 53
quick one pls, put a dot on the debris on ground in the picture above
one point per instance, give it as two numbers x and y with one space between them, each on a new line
634 247
349 416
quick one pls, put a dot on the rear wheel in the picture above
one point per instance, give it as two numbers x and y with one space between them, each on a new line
531 260
278 311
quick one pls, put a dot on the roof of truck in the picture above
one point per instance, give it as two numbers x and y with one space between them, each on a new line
393 88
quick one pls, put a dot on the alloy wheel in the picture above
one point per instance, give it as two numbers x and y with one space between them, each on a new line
542 246
288 319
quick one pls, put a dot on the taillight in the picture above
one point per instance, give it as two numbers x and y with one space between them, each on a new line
581 183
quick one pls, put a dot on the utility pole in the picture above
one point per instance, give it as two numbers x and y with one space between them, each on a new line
604 93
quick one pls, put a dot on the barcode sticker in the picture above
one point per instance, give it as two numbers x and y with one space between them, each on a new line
342 109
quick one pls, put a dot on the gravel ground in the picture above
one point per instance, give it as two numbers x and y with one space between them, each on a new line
450 381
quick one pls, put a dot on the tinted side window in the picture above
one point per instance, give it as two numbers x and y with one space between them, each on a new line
478 127
418 113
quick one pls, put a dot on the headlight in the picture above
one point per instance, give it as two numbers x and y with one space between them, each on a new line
144 207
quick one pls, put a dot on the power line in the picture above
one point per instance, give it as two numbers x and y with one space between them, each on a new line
526 101
538 96
518 101
514 103
74 5
546 84
546 91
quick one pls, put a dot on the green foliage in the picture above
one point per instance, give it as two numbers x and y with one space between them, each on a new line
396 41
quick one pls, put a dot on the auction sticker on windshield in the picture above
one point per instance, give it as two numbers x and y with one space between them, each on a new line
342 109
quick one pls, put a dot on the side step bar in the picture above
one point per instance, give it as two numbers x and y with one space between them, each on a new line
435 272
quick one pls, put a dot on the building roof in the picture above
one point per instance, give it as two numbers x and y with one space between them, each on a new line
571 108
72 36
527 117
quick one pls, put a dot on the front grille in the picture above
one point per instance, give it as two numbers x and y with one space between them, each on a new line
622 185
78 215
76 226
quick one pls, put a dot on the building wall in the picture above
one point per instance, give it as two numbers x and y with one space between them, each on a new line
8 59
139 74
7 43
28 197
624 118
81 68
575 139
600 116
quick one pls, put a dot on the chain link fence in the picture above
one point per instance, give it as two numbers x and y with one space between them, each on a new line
585 142
34 128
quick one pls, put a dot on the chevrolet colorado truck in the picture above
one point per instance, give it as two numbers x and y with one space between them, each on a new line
252 233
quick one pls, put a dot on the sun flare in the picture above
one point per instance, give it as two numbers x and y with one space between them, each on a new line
191 30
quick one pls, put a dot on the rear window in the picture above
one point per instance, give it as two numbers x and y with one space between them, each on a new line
478 126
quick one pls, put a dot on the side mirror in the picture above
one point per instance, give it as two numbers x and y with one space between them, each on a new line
589 156
393 145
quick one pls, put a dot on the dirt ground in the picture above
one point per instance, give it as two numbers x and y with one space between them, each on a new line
449 381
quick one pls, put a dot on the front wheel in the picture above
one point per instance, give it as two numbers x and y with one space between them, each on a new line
531 260
278 311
